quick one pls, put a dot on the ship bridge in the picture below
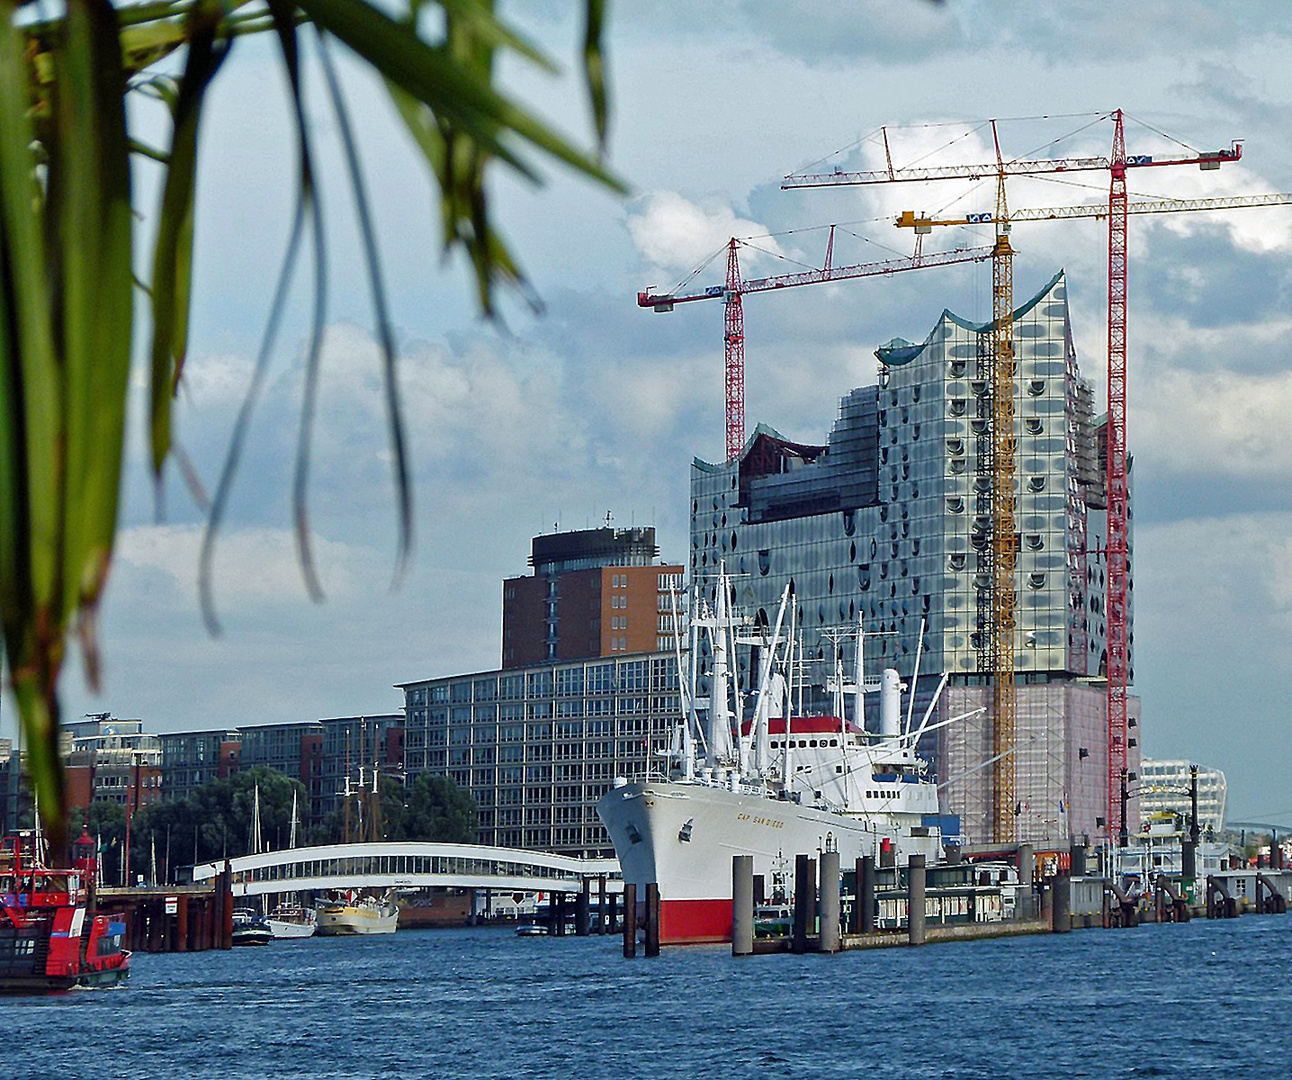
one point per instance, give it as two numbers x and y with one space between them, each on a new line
409 865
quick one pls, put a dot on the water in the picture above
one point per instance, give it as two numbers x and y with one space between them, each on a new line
1198 1000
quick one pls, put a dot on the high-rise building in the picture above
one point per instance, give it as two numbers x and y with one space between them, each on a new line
594 592
1164 788
889 523
190 759
111 759
538 746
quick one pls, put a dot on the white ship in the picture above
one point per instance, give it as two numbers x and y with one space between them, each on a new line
749 788
357 915
291 920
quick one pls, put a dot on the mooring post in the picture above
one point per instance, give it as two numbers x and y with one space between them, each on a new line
742 905
804 902
601 904
583 910
652 919
829 902
1061 903
1077 860
915 882
1024 907
630 920
866 893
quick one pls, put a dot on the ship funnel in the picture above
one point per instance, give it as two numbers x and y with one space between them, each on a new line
890 704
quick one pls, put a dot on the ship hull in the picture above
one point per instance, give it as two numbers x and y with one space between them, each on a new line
345 920
682 837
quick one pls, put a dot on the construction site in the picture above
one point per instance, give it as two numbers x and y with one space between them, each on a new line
971 508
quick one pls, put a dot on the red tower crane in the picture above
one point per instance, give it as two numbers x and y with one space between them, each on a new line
734 322
1115 464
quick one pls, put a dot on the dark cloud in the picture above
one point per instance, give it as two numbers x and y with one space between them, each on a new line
878 30
1206 280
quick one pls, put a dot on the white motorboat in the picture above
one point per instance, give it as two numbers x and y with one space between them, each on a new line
292 921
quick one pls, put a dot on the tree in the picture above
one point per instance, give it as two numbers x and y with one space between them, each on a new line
69 252
215 821
438 809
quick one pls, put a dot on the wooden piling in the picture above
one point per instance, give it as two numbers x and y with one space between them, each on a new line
181 923
630 920
915 894
652 919
601 904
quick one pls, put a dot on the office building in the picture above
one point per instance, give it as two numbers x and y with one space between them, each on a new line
889 522
538 746
593 592
1164 788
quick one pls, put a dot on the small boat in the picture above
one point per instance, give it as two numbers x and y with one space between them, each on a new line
292 921
357 915
773 920
249 928
531 930
49 939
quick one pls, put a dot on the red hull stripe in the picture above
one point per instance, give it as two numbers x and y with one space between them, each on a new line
684 922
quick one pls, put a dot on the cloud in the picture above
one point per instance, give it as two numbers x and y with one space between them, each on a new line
255 569
1216 422
675 234
875 29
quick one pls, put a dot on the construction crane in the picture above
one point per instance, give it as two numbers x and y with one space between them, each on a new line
734 321
1116 164
1000 643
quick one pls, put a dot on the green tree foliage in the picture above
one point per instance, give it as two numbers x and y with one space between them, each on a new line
215 821
105 821
436 808
429 808
70 248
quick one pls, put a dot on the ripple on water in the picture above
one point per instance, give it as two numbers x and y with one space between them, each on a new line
1172 1001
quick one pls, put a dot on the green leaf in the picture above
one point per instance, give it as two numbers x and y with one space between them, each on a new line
173 248
594 66
94 222
452 89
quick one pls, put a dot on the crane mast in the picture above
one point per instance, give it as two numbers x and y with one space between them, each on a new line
1115 480
734 339
1003 544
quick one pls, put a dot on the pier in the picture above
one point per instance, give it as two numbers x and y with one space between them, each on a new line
173 918
875 907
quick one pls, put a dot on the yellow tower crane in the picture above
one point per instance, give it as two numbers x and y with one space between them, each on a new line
996 460
1001 448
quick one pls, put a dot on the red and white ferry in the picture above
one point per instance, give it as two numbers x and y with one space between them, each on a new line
774 786
48 939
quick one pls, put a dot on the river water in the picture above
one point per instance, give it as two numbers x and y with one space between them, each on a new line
1205 999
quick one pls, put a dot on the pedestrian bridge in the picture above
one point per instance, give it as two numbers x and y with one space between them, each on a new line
409 865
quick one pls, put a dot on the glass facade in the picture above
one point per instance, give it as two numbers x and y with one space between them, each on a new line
890 522
538 747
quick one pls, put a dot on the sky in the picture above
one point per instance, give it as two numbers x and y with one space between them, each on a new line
596 407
